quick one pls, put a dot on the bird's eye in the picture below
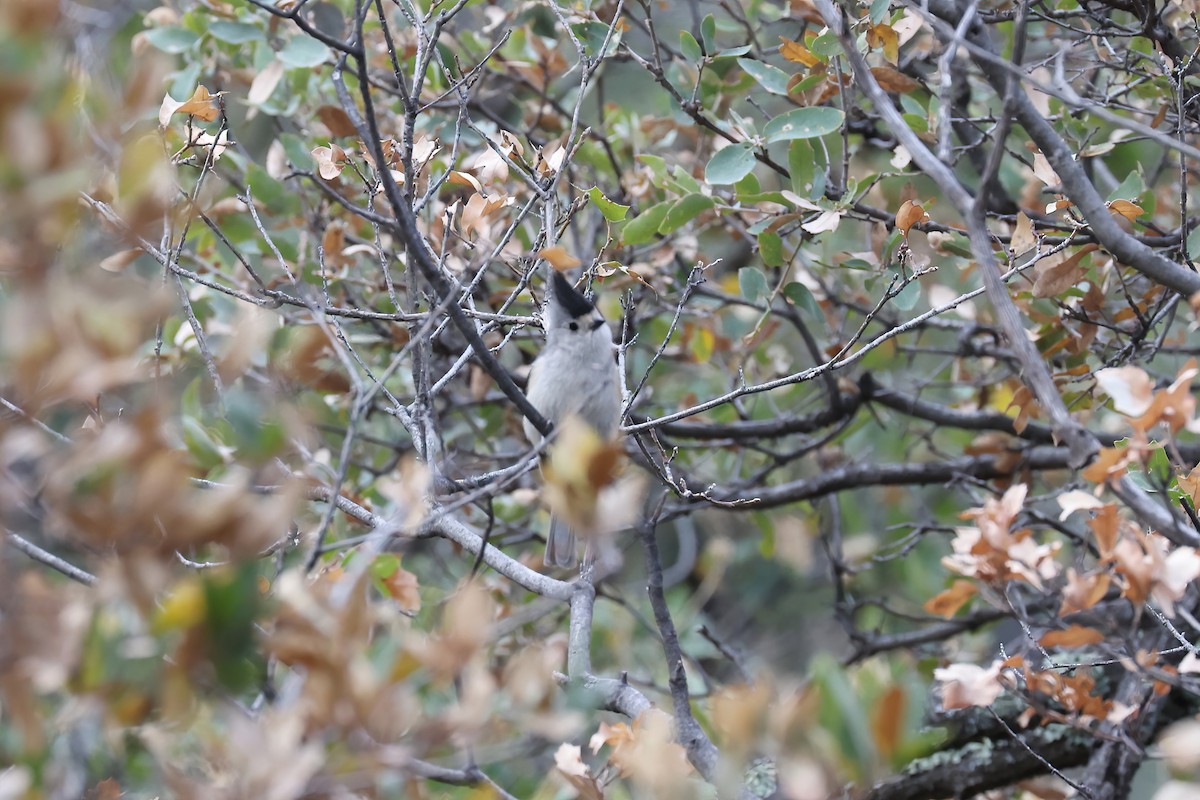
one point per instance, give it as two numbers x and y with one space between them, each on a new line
574 326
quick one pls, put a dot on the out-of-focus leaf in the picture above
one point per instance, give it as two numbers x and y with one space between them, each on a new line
689 47
235 32
800 296
172 39
753 284
303 51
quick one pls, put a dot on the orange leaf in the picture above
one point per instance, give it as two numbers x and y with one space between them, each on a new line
1126 209
559 258
1110 464
909 214
887 721
1073 636
948 602
201 105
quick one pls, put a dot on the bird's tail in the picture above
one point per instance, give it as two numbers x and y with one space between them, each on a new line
560 544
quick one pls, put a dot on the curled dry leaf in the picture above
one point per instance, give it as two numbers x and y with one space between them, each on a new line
330 161
201 104
910 213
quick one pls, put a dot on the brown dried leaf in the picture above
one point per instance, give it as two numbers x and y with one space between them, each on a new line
1083 591
910 213
1023 238
894 81
337 121
1059 272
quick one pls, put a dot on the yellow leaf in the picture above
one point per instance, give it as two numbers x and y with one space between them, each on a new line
885 37
797 53
183 608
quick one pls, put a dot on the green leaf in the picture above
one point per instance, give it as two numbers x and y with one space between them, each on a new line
708 34
592 35
803 123
235 32
842 716
686 182
802 298
730 164
1130 189
613 212
200 445
801 166
689 47
770 247
641 229
752 282
685 211
172 39
879 10
303 51
658 167
826 44
772 79
733 52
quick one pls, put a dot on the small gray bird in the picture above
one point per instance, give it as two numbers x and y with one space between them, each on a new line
575 375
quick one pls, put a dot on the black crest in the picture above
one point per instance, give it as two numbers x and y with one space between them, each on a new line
571 300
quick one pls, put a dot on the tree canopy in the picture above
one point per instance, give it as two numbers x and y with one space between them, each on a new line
904 298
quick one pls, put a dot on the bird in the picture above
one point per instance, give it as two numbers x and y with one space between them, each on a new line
576 376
